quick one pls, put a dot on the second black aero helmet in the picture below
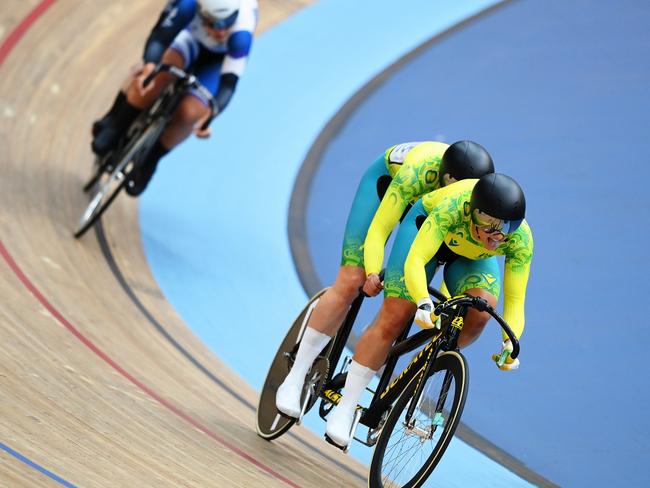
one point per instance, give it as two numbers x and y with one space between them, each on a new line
465 159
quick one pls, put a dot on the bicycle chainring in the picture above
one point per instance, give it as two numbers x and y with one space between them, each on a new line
318 374
316 378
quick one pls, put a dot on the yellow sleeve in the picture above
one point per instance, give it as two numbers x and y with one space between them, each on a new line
517 269
417 176
390 210
424 247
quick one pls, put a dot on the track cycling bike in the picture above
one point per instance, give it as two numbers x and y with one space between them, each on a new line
413 414
113 170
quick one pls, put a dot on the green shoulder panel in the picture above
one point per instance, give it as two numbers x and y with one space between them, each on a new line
416 168
447 206
519 252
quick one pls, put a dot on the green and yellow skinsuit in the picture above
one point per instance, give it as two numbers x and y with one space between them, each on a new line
399 177
447 223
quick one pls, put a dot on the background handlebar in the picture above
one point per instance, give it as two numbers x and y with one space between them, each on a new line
191 80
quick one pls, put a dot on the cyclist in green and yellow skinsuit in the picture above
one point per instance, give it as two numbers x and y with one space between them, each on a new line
401 175
477 220
465 226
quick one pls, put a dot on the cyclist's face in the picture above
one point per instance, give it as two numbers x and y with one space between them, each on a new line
221 32
489 230
218 35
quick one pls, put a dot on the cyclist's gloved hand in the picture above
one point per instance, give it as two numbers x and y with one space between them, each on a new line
202 133
373 285
503 360
424 317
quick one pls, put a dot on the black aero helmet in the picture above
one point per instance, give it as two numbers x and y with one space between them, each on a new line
500 197
465 159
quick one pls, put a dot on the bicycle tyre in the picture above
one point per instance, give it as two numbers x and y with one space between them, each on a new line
379 476
92 181
270 423
108 190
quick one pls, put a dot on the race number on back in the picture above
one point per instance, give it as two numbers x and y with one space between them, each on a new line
399 152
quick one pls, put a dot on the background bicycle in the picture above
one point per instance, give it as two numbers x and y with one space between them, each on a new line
112 171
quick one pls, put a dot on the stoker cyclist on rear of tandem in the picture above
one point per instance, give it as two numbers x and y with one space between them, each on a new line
211 38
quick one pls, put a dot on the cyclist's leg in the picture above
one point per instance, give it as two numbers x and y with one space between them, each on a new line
126 108
119 101
334 304
195 107
319 331
479 278
192 109
398 306
332 307
376 341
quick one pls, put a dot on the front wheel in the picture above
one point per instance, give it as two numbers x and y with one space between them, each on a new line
407 453
110 187
270 423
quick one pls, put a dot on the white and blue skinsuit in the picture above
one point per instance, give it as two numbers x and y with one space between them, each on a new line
217 66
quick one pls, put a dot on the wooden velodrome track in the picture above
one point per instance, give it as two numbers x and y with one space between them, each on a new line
90 390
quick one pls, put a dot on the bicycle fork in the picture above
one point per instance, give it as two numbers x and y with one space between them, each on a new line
437 419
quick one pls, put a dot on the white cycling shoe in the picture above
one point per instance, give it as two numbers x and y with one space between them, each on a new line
339 427
287 399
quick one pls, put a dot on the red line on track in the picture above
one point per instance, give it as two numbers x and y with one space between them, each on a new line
14 36
90 345
5 49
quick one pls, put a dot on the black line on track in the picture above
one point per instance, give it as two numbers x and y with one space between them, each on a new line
297 228
112 264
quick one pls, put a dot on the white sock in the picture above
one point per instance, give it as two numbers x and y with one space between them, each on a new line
311 345
356 382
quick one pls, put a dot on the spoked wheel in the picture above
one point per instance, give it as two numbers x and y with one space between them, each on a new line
101 200
406 454
100 169
271 423
108 185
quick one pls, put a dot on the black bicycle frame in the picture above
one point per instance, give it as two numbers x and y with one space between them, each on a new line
450 342
344 332
388 389
452 311
181 86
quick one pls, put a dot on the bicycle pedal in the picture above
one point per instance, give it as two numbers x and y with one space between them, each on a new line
365 442
330 441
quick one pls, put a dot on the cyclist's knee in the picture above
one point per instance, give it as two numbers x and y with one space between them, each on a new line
173 57
475 321
190 110
348 281
393 316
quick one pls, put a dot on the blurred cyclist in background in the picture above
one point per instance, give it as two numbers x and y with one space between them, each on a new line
211 38
398 178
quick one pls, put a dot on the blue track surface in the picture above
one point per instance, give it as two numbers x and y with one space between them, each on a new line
559 93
